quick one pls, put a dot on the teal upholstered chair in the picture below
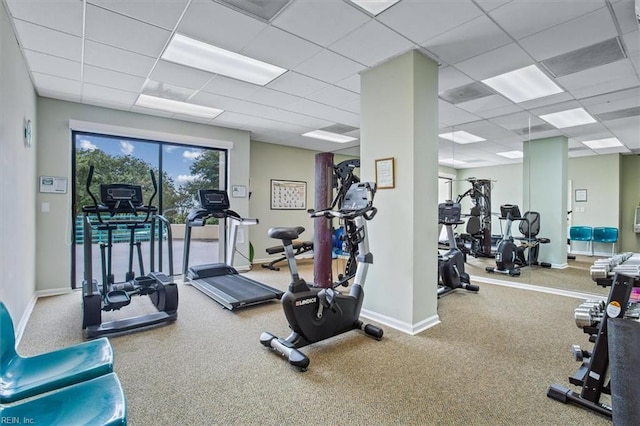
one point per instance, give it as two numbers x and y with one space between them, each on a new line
581 233
99 401
607 235
23 377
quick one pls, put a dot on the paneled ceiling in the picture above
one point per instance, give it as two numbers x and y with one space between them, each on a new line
108 53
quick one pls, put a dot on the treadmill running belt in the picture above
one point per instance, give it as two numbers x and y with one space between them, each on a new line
244 290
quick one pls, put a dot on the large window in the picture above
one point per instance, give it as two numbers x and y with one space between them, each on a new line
180 171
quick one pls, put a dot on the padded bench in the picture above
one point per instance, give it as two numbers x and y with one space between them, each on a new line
299 247
99 401
23 377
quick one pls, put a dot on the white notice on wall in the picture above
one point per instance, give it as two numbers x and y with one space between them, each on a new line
52 184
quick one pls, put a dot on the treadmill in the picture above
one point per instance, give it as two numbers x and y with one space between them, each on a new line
221 281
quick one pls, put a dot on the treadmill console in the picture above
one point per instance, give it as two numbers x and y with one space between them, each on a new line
449 212
120 197
512 210
358 197
214 200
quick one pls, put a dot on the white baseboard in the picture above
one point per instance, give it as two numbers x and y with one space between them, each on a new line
405 327
22 324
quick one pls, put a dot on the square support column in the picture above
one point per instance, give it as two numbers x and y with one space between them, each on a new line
399 120
545 191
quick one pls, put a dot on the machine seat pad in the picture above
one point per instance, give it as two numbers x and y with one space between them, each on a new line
23 377
282 233
99 401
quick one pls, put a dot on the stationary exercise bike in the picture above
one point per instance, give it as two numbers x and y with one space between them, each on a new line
313 313
507 251
451 264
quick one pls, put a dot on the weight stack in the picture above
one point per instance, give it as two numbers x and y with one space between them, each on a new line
624 370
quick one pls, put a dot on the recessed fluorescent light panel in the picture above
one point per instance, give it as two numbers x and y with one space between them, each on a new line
328 136
513 155
568 118
523 84
461 137
375 7
603 143
177 107
452 162
196 54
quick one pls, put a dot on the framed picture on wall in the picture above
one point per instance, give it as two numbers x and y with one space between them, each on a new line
288 195
385 173
581 195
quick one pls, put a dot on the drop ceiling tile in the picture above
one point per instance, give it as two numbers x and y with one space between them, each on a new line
584 31
499 111
606 78
217 101
451 116
524 18
561 106
54 94
329 67
64 16
626 16
518 120
271 97
321 22
632 44
115 59
131 34
455 45
597 130
353 106
632 95
449 77
52 65
44 40
179 75
421 20
107 94
487 130
489 5
113 79
498 61
547 100
324 112
626 130
371 44
230 87
296 84
52 84
351 83
484 103
298 119
335 96
164 14
280 48
214 23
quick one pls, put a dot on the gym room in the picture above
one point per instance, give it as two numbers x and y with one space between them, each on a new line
421 212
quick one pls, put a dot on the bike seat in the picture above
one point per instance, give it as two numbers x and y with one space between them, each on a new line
283 233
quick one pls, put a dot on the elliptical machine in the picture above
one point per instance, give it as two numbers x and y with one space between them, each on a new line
451 264
118 203
313 313
507 251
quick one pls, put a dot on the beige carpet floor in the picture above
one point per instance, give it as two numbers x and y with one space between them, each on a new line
489 362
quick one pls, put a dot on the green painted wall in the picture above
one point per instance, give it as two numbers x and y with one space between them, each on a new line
629 200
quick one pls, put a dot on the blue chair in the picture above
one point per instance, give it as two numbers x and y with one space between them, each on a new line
23 377
581 233
605 234
99 401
